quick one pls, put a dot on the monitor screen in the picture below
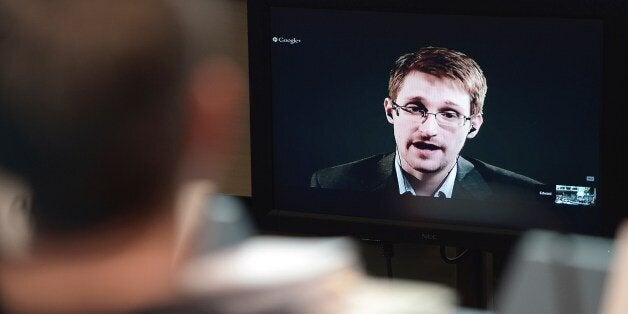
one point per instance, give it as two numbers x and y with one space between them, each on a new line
438 119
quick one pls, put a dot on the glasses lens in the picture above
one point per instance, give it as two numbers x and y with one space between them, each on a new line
449 118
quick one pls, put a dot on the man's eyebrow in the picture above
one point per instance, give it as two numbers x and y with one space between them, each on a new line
416 99
451 103
419 99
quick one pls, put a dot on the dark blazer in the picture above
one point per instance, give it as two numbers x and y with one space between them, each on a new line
474 180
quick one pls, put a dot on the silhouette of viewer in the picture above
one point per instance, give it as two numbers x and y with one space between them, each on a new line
108 110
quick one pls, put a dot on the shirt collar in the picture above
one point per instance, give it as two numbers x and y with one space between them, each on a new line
446 187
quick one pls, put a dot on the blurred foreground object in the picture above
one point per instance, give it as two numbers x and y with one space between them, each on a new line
238 272
235 271
615 299
270 274
555 273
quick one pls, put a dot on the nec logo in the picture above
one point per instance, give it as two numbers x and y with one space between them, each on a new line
429 236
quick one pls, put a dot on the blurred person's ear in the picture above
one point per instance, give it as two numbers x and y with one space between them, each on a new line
15 220
215 95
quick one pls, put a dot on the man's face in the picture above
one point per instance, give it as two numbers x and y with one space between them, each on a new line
425 147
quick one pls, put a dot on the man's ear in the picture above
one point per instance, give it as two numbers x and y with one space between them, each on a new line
476 123
215 96
388 108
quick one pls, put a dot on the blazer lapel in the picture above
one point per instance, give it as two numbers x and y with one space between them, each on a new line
385 173
469 182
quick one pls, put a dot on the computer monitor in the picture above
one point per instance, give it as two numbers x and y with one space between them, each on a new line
501 115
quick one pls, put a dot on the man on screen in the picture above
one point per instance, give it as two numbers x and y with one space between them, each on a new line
435 102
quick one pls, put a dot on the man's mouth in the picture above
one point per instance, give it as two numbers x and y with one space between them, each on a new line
425 146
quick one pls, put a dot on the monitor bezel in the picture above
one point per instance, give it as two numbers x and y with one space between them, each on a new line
268 218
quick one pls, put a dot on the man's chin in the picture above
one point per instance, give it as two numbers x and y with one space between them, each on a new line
427 170
426 167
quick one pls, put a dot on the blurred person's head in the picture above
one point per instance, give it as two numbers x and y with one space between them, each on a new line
105 108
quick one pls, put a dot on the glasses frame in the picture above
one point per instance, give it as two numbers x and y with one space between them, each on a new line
424 114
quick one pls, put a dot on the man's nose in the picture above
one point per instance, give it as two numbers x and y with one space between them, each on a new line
428 125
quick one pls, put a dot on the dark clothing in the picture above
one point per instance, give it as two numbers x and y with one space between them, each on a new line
474 180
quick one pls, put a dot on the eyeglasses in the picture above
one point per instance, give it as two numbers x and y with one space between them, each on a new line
444 118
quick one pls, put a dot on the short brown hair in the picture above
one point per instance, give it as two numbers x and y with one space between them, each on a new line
442 62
